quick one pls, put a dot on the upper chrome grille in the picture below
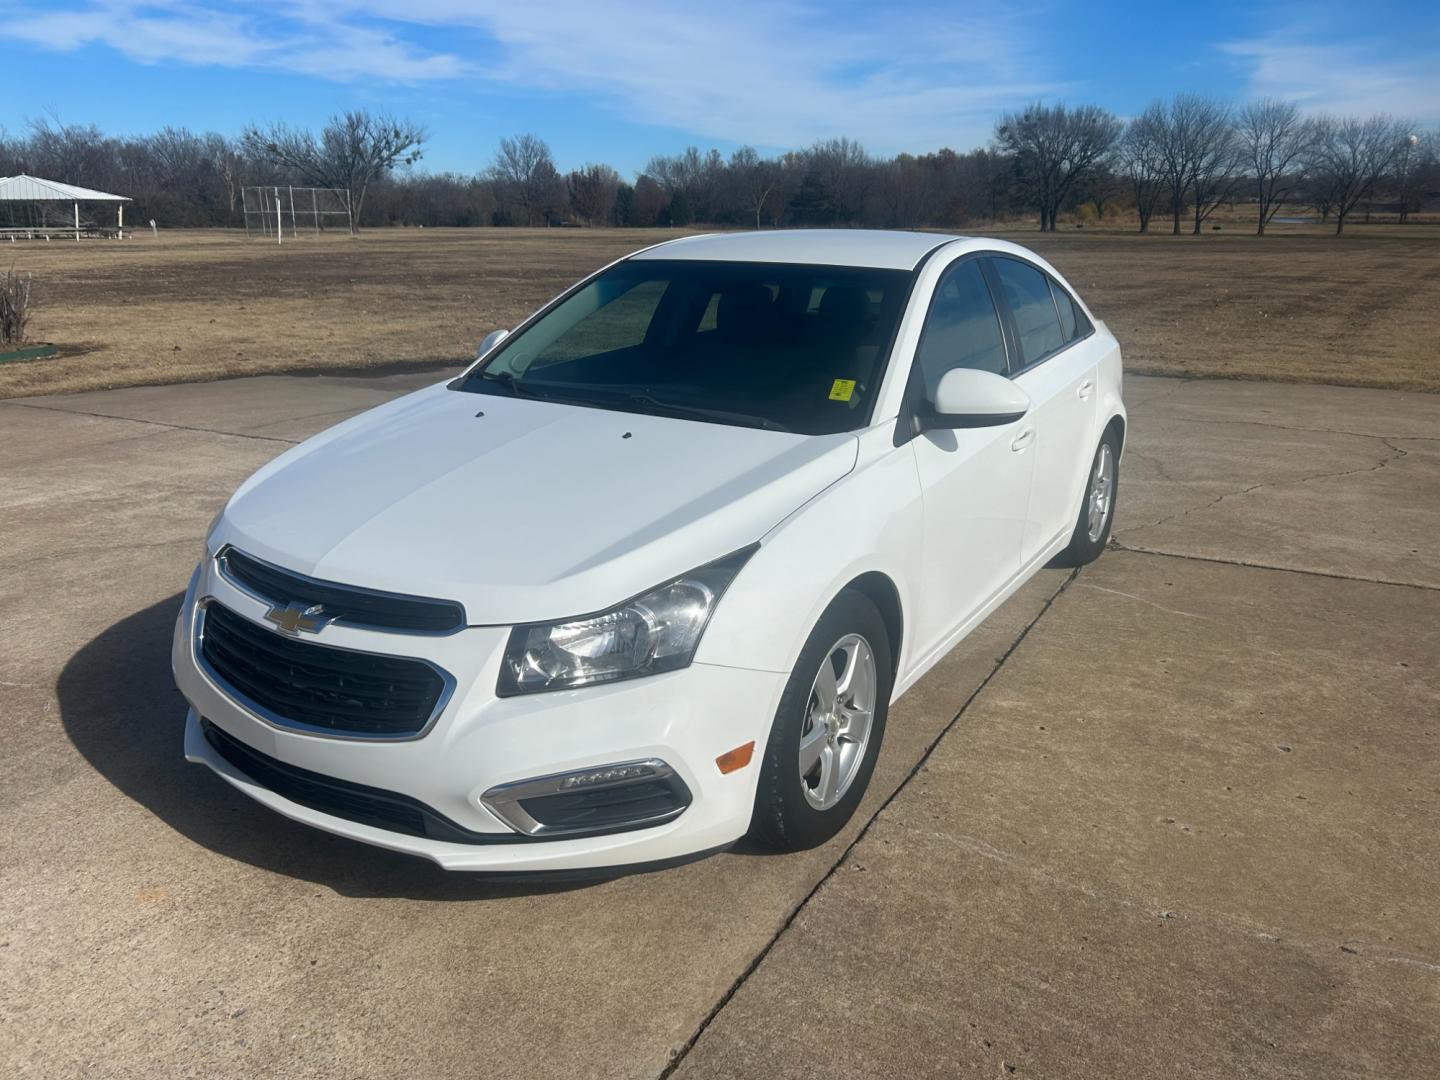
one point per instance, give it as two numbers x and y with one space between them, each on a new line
346 604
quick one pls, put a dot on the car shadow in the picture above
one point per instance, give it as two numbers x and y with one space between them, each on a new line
121 709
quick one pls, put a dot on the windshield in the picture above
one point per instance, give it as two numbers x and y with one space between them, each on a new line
788 348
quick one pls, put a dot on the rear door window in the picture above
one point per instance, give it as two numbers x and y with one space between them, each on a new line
1037 321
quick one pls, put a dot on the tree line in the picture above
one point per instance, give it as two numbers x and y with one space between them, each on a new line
1180 159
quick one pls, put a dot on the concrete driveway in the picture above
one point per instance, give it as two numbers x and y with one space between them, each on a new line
1173 815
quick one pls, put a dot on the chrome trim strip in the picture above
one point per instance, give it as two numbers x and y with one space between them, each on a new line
280 723
503 800
230 579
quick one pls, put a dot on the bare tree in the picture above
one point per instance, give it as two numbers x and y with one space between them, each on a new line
844 173
1350 156
1142 161
696 175
1276 140
1415 170
972 185
1053 147
353 150
1100 187
525 175
1214 153
71 153
648 202
592 191
907 185
1199 155
14 306
755 180
9 153
228 163
1173 147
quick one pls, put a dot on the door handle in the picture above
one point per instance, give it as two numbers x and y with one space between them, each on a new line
1085 388
1024 439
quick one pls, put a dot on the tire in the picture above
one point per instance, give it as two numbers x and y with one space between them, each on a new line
791 809
1086 543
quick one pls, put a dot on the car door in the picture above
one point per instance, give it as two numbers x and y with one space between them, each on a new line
975 482
1057 369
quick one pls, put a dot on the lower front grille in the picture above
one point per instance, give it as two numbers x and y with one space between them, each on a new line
593 813
307 685
360 803
645 803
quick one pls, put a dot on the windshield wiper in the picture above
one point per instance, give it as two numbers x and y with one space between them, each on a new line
512 384
655 405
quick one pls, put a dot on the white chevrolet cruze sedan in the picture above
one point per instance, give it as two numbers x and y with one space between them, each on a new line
649 574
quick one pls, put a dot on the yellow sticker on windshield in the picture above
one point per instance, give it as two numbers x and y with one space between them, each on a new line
841 389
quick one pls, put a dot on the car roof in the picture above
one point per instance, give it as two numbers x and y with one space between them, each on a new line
889 249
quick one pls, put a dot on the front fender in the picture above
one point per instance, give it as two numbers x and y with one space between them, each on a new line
869 521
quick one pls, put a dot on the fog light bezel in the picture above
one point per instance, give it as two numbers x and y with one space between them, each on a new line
505 801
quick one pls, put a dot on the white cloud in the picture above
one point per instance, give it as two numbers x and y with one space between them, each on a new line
775 74
1344 76
163 31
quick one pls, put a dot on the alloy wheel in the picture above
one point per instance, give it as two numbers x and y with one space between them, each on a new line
838 717
1102 492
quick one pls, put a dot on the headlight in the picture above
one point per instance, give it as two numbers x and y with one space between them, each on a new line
205 541
657 631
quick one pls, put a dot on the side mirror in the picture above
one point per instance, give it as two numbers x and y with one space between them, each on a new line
491 340
967 398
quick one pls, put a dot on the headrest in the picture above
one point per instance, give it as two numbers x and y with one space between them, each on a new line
744 313
842 312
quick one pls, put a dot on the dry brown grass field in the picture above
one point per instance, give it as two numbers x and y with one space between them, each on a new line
1297 305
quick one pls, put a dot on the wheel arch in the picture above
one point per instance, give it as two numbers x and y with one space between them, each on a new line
882 592
1116 424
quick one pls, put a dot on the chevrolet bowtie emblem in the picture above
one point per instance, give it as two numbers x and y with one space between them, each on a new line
293 618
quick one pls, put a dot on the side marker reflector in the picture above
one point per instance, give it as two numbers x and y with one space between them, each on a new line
738 758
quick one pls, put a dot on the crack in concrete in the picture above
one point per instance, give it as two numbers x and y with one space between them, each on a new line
1395 455
318 415
1312 430
1133 550
678 1056
1177 383
1155 462
1181 514
71 553
153 423
1142 600
976 846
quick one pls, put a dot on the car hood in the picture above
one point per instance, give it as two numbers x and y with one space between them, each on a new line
522 510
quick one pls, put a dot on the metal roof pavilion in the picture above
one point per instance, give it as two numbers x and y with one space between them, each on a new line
32 189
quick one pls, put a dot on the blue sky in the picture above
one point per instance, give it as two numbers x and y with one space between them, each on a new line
617 82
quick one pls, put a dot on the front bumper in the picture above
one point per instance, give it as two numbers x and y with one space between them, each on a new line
480 742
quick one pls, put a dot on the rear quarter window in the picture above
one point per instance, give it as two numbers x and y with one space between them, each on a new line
1073 323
